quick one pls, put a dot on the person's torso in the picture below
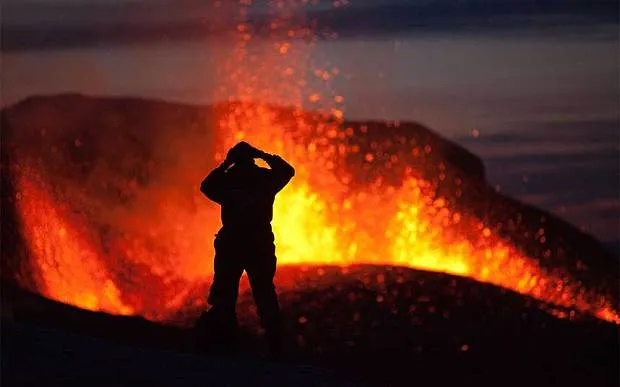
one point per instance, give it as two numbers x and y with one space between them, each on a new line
248 203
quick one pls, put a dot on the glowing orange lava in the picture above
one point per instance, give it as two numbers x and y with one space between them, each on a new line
321 218
67 263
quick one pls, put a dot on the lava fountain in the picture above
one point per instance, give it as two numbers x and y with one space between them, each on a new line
142 245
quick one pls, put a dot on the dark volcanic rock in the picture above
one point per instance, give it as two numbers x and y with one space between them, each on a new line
377 325
68 359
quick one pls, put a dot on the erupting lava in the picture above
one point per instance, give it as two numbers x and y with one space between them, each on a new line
67 262
383 211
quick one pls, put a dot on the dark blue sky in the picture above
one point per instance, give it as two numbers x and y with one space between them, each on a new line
38 24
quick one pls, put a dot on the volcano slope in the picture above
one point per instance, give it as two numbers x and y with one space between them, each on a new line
389 325
371 325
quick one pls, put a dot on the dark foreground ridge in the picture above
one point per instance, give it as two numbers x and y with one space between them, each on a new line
371 325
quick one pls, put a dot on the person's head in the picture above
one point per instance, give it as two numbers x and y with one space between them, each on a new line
241 154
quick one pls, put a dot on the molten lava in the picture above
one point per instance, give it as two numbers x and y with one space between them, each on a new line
383 211
70 268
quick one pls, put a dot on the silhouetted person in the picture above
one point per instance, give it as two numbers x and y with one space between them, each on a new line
246 194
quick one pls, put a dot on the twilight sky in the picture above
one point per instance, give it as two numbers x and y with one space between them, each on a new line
61 23
538 79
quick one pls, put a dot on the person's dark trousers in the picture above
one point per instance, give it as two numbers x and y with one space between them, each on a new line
256 255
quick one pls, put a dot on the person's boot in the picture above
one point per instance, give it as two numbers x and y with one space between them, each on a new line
218 330
201 332
275 343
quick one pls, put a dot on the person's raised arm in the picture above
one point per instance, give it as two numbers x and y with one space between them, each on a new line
213 185
281 171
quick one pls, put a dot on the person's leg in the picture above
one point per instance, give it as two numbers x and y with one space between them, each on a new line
261 270
222 317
